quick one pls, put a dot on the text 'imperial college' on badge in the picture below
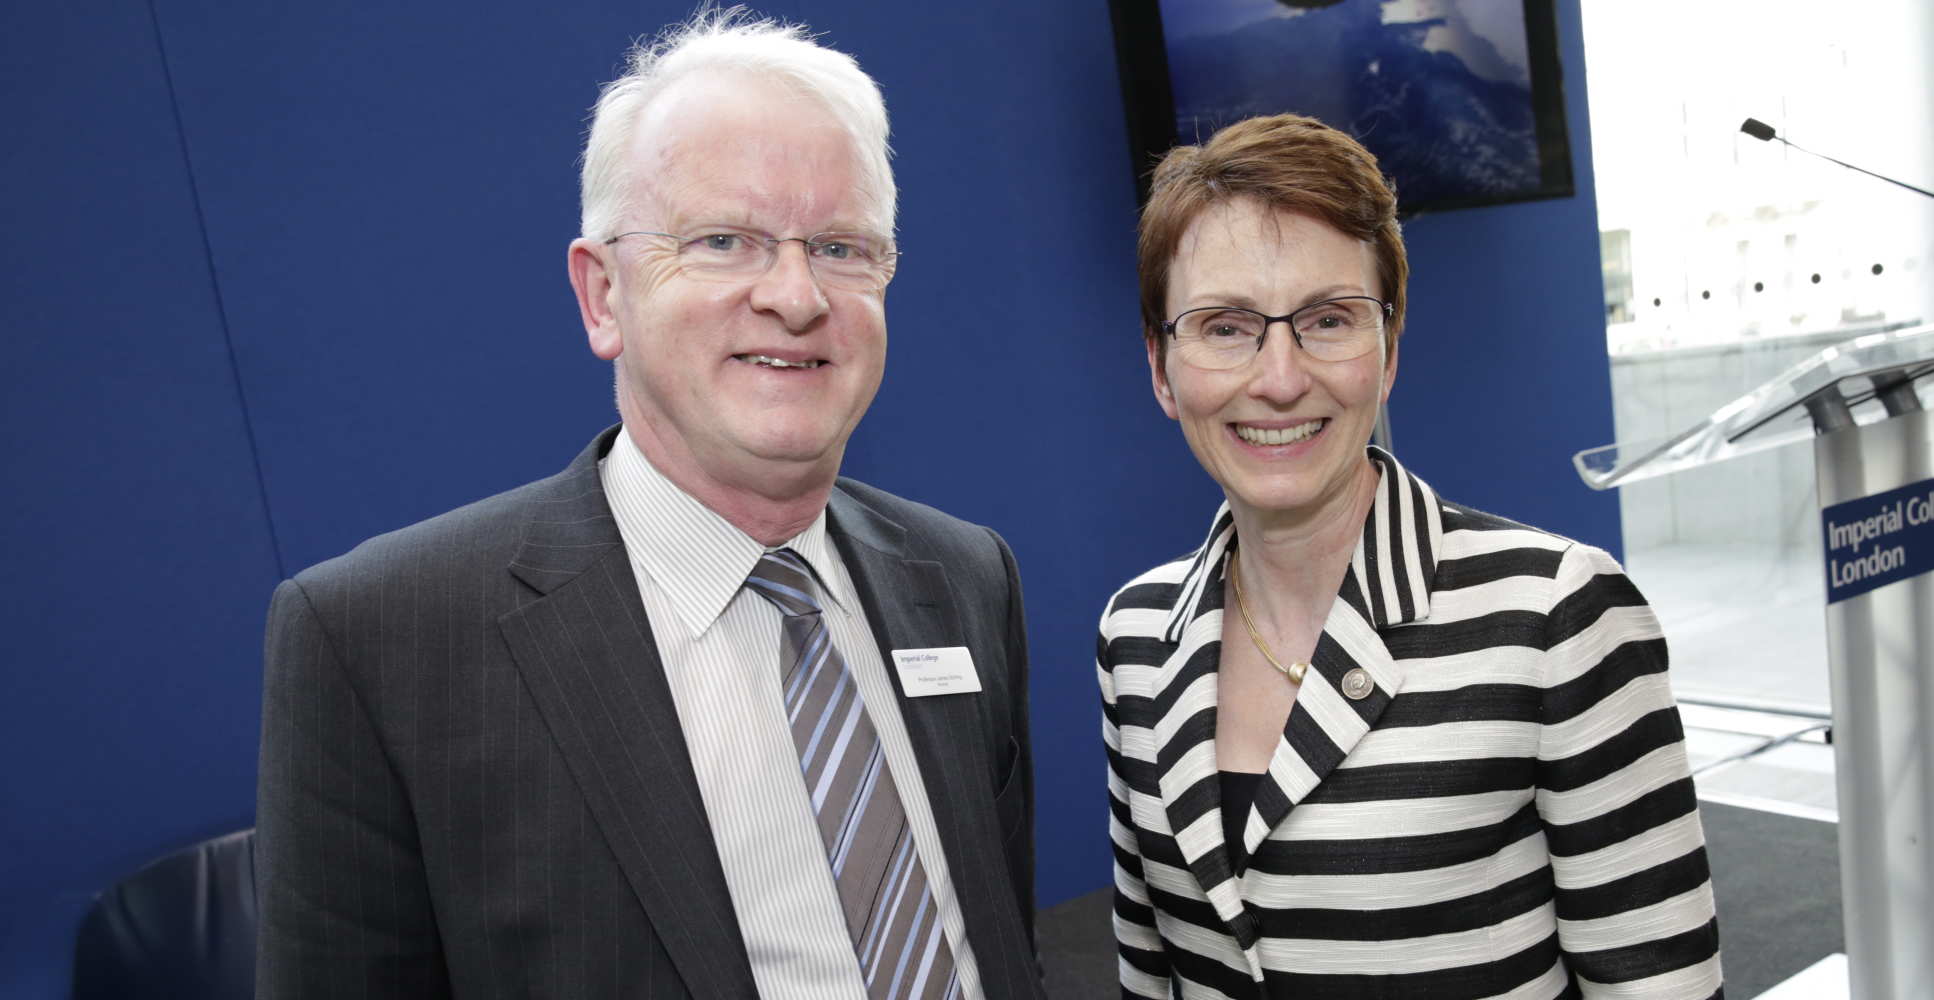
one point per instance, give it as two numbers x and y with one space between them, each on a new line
942 670
1877 540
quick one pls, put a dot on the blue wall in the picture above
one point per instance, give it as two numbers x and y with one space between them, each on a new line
271 275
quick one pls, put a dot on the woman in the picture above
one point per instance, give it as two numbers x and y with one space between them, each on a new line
1366 741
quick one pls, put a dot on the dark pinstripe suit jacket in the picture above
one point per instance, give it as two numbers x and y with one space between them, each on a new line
473 781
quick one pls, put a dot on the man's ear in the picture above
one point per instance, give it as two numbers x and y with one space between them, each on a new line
591 279
1159 378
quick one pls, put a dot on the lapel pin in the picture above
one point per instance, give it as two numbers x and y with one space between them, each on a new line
1357 684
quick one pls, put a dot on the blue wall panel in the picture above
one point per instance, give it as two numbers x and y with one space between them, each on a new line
389 191
137 551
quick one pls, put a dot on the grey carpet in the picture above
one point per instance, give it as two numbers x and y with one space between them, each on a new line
1777 880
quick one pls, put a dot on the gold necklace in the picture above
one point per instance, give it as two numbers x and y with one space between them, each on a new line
1294 671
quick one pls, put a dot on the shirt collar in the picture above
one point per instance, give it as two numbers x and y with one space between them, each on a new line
1390 571
697 558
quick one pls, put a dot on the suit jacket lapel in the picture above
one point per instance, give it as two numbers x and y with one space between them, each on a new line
1387 586
909 606
588 657
1182 713
1325 724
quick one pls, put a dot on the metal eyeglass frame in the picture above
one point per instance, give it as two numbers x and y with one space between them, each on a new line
888 262
1170 326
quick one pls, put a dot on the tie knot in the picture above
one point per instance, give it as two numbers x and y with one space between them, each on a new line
783 578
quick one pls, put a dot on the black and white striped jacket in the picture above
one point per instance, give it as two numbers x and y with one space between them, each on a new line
1507 813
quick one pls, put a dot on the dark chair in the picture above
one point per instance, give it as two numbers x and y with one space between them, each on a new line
182 927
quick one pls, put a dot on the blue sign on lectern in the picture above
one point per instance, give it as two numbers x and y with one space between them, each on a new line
1875 540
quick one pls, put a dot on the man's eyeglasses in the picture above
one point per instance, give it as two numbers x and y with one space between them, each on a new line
727 253
1219 338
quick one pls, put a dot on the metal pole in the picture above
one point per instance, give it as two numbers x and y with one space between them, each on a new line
1883 708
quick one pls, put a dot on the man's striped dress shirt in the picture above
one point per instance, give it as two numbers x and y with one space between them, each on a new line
720 646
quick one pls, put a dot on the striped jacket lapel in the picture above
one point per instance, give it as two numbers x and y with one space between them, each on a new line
1387 585
1396 558
1182 716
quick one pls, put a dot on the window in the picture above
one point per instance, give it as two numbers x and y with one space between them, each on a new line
1728 259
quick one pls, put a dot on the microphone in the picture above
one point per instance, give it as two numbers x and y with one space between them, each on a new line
1764 133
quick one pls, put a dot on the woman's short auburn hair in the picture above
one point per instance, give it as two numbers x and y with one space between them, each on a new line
1286 163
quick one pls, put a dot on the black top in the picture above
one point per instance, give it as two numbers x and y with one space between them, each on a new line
1238 794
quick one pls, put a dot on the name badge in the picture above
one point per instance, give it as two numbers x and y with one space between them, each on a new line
943 670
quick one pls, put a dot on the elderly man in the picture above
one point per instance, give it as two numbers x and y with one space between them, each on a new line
694 717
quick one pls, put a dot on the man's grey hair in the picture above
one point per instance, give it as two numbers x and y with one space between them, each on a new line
736 42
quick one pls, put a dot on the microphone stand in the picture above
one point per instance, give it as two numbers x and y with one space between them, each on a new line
1764 133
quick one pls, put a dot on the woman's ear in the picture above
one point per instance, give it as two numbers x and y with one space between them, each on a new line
1159 377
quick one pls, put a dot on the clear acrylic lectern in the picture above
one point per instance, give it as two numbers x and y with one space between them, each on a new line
1866 405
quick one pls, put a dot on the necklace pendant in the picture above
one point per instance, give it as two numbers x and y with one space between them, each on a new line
1296 669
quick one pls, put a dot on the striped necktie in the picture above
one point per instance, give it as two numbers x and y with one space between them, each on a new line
895 924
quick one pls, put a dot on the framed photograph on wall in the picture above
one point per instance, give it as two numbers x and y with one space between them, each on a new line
1461 100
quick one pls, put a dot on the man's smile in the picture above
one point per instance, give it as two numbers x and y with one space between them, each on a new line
768 361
